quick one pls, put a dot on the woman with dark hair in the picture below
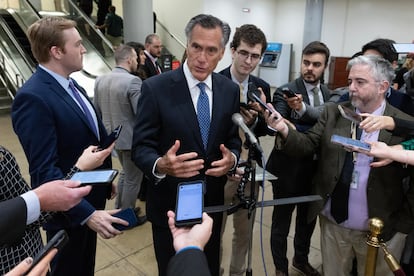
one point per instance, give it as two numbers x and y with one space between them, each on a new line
139 49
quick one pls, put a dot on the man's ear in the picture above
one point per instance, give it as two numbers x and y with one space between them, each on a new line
55 52
384 85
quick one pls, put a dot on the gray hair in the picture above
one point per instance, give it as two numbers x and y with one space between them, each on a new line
381 68
123 52
208 22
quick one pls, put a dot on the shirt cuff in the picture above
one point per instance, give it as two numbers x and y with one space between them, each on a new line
188 248
32 206
157 175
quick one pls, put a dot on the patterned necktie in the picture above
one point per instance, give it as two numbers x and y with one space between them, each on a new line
316 101
203 113
85 109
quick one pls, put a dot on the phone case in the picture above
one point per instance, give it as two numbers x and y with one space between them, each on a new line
95 177
128 215
191 221
349 142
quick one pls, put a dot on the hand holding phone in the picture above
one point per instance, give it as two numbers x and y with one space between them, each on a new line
288 93
253 94
190 203
112 137
58 241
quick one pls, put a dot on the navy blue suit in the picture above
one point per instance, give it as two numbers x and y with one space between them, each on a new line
54 132
165 114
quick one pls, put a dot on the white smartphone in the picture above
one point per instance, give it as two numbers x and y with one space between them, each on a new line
190 203
95 177
349 142
403 47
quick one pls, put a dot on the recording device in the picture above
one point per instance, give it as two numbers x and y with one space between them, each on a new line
128 215
288 93
239 121
95 177
58 241
112 137
403 47
349 114
349 142
253 94
190 203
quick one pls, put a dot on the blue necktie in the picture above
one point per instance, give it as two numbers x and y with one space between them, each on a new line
84 107
203 113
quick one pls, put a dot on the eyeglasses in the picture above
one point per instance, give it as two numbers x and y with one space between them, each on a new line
246 55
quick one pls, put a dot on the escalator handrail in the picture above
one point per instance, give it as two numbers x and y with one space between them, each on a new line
22 53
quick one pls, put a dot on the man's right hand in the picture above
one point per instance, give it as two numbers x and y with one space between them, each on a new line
182 166
101 222
60 195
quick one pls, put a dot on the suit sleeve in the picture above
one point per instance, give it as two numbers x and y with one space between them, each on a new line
12 220
188 263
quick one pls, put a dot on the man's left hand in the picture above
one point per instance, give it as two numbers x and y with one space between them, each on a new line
222 166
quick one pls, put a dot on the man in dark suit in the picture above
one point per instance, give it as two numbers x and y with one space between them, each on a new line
177 140
352 190
247 46
55 121
152 51
295 174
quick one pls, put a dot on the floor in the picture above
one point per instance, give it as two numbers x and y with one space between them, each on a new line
132 253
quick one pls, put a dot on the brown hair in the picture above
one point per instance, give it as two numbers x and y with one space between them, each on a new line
46 33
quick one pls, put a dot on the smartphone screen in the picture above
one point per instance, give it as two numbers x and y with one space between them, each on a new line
349 142
189 207
403 47
95 177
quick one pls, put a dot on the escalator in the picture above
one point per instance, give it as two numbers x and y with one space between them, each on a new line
15 47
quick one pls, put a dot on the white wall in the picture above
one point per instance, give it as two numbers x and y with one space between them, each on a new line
346 25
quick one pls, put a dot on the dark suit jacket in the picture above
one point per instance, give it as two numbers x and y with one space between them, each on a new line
387 197
12 220
165 114
188 263
54 132
149 67
261 126
294 174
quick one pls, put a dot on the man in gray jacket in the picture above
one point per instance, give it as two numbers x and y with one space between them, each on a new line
116 99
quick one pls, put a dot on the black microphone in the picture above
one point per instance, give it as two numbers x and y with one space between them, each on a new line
239 121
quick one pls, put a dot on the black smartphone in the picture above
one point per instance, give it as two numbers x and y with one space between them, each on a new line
253 94
190 203
349 142
112 137
349 114
95 177
128 215
58 241
288 93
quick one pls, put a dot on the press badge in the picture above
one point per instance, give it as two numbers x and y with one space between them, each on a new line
354 181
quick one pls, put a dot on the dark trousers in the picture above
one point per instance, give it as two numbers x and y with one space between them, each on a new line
294 179
281 219
77 257
164 251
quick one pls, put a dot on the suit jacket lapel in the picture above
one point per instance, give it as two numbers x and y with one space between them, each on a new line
183 97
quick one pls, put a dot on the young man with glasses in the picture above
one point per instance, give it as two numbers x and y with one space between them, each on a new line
247 47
